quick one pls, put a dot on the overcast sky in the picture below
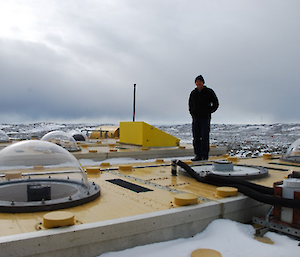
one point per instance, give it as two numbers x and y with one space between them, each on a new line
77 60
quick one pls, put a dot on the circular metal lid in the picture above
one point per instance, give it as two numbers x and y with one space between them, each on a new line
228 169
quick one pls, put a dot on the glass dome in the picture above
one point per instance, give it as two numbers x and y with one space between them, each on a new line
62 139
3 136
38 175
293 152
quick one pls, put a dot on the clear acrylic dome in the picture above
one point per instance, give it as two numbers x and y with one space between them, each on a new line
3 136
38 175
63 139
293 152
37 158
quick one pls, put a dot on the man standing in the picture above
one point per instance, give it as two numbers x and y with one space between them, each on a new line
202 103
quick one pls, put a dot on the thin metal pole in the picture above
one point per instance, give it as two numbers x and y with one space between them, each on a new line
134 101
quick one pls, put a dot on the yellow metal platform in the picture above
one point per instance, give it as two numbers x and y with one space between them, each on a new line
142 214
116 201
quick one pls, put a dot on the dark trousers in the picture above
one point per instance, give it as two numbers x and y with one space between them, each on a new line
201 129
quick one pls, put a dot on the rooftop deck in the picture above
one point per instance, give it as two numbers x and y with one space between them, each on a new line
123 217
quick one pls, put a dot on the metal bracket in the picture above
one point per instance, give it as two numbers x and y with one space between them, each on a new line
276 226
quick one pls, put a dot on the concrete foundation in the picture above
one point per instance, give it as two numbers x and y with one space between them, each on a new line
96 238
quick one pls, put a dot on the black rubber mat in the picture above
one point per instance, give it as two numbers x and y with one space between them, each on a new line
129 185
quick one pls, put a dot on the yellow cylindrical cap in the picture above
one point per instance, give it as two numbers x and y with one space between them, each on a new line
93 170
13 175
125 168
58 219
206 253
185 199
105 164
226 191
267 156
264 239
232 159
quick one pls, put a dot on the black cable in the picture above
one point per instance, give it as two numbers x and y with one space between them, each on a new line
257 192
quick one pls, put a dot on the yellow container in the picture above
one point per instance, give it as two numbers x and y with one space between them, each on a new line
145 135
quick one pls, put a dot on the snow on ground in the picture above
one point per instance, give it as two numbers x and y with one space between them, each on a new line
230 238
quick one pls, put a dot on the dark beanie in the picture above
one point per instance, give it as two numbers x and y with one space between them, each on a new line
200 77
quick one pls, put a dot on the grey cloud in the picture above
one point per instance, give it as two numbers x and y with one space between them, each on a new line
87 56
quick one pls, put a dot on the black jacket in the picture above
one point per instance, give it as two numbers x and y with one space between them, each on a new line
203 103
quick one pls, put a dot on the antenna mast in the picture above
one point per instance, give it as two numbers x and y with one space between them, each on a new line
134 89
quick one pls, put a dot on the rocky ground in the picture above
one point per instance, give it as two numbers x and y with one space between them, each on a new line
241 140
245 140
